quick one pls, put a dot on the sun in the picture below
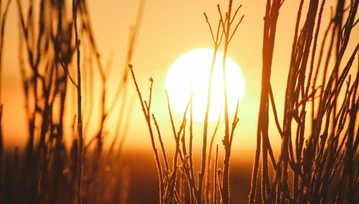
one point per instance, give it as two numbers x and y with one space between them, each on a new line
189 75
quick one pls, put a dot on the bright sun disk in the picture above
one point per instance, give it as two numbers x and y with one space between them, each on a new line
189 74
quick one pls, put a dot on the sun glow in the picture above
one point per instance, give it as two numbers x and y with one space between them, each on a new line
189 75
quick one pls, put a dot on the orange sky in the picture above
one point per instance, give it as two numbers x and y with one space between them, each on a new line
169 29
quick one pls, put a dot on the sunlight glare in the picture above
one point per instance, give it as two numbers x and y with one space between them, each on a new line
190 74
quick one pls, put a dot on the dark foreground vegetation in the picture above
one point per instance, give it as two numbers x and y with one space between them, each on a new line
59 61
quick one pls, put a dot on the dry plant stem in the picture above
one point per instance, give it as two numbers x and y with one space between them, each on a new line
145 110
300 136
105 112
209 160
216 40
187 159
227 140
40 89
79 111
103 116
336 79
317 162
216 186
225 188
30 115
173 176
90 95
291 82
294 85
205 132
270 21
223 31
177 135
48 39
189 169
23 78
161 143
268 47
134 32
114 102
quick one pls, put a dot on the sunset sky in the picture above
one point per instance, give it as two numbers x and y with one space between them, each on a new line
168 30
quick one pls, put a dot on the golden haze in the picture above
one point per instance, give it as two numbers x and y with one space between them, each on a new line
165 34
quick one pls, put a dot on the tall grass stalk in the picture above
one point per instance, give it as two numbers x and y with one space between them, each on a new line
318 135
49 58
170 180
80 167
